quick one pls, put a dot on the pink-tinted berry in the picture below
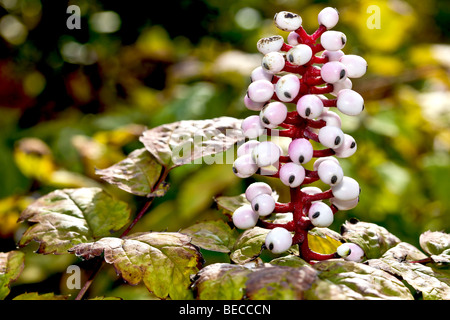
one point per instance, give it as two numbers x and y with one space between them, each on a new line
252 105
260 90
330 172
344 204
350 102
260 74
341 85
309 106
351 252
356 66
300 151
244 217
244 166
256 189
287 87
266 153
333 40
320 214
348 148
278 240
331 137
273 114
299 55
292 174
252 127
333 55
347 189
333 72
263 204
247 147
328 17
331 118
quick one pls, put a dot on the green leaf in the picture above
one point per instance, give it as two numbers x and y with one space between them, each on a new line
248 245
373 239
37 296
182 142
434 243
289 261
340 279
66 217
137 174
212 235
280 283
164 261
11 266
221 281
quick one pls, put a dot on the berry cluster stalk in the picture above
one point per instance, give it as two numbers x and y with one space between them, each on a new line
311 72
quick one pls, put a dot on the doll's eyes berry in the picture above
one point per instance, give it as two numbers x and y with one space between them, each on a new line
252 127
331 118
244 217
247 147
266 154
263 204
320 215
273 114
273 62
270 44
333 40
252 105
331 137
260 74
287 21
356 66
347 189
244 166
330 173
333 72
309 106
287 87
344 204
328 17
350 252
350 102
300 151
348 148
299 55
292 174
260 90
278 240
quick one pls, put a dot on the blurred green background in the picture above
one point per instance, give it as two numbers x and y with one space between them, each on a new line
72 100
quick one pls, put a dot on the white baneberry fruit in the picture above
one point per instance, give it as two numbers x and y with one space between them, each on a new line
344 204
287 87
270 44
311 190
263 204
350 252
287 21
273 114
331 137
244 217
347 189
309 106
278 240
341 85
244 166
256 189
333 55
300 151
299 55
292 174
252 127
260 74
320 215
350 102
322 159
266 153
293 38
273 62
348 148
330 172
333 40
333 72
328 17
247 147
356 66
252 105
260 90
331 118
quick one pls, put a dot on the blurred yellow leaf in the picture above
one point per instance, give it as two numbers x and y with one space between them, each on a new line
10 209
34 159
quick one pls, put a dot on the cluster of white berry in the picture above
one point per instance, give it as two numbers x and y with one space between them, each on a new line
301 72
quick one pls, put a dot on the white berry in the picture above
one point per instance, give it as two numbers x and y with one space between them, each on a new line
287 21
344 204
270 44
331 137
348 148
266 153
257 188
347 189
278 240
330 173
273 62
244 217
244 166
328 17
263 204
287 87
351 252
350 102
333 40
320 215
299 55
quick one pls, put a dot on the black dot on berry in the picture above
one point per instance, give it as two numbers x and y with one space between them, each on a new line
265 65
256 207
353 145
343 40
234 170
342 74
337 140
265 120
289 15
301 159
363 107
316 215
291 58
291 179
333 179
307 112
287 95
271 246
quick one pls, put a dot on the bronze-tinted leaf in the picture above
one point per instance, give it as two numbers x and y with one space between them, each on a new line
138 174
182 142
11 266
434 243
164 261
66 217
